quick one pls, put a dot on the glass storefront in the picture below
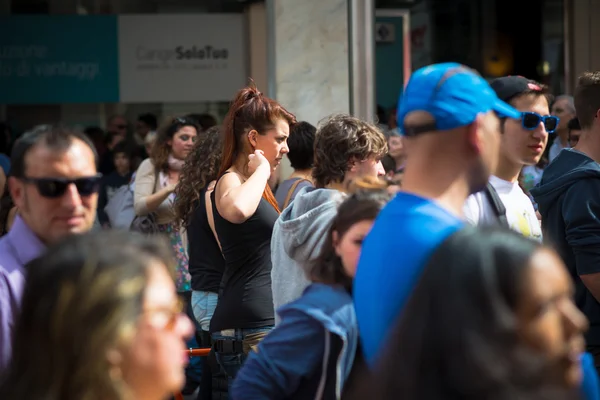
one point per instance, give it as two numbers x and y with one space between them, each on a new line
496 37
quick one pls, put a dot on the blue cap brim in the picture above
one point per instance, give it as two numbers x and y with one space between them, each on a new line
505 110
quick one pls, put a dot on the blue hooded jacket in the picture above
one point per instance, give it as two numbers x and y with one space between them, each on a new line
568 198
309 354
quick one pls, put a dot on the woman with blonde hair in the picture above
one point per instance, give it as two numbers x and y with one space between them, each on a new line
100 320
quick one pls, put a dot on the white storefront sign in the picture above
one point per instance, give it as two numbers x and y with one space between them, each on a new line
181 58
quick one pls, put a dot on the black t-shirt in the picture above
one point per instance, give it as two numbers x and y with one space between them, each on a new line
206 263
245 297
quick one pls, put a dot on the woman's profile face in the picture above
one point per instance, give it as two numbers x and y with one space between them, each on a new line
273 142
549 320
155 360
349 245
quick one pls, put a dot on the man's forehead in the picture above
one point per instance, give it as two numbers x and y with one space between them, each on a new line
77 153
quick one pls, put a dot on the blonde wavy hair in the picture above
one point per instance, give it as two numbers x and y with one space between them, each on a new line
82 300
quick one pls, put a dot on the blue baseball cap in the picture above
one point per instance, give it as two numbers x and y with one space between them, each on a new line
453 94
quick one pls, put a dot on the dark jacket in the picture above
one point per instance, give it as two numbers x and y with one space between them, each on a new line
568 197
309 355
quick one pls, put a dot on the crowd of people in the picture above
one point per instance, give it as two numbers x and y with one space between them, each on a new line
435 255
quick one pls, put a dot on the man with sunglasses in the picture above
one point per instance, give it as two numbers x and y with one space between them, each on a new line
523 142
54 184
568 198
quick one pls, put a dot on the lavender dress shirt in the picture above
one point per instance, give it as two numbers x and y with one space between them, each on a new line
17 248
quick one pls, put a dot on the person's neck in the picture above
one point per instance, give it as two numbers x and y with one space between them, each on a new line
147 394
240 165
339 186
507 170
446 186
302 174
589 144
563 138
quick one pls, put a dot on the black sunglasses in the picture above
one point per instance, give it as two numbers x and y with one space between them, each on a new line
531 120
56 187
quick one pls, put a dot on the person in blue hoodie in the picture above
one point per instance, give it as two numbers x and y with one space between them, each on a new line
568 199
310 354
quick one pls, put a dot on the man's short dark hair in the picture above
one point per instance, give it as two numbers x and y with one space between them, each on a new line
574 124
587 98
301 143
150 120
56 138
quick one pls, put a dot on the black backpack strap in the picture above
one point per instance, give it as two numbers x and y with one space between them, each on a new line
496 204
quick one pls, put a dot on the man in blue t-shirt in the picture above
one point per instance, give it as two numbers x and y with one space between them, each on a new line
448 116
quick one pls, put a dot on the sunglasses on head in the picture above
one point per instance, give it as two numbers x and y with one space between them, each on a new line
56 187
531 120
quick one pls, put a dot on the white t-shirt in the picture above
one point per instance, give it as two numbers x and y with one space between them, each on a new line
519 210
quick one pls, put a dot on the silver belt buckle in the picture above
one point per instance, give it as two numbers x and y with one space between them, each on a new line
228 332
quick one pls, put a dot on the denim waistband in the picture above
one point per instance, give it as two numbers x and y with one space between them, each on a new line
239 334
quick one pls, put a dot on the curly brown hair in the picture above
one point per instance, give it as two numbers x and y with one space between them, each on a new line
341 139
201 167
368 197
161 148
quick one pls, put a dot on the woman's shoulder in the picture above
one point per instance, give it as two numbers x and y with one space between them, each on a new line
146 167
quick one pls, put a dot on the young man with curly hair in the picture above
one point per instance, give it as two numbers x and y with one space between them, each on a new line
345 148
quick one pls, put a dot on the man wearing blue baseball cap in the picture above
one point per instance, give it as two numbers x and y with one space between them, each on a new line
448 115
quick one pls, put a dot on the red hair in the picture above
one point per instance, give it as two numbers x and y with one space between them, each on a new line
250 110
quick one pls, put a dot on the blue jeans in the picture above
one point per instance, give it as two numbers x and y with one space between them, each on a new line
193 371
230 363
204 304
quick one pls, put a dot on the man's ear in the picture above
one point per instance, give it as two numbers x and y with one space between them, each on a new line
16 189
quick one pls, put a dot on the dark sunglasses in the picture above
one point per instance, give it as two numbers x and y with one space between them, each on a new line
56 187
531 120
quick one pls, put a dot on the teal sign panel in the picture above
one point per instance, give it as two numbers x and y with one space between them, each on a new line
53 59
389 60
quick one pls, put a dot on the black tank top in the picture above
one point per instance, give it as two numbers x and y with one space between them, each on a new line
245 297
206 263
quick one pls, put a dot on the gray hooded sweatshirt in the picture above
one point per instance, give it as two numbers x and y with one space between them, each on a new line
298 236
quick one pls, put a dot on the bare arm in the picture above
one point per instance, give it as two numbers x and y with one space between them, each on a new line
236 200
154 200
